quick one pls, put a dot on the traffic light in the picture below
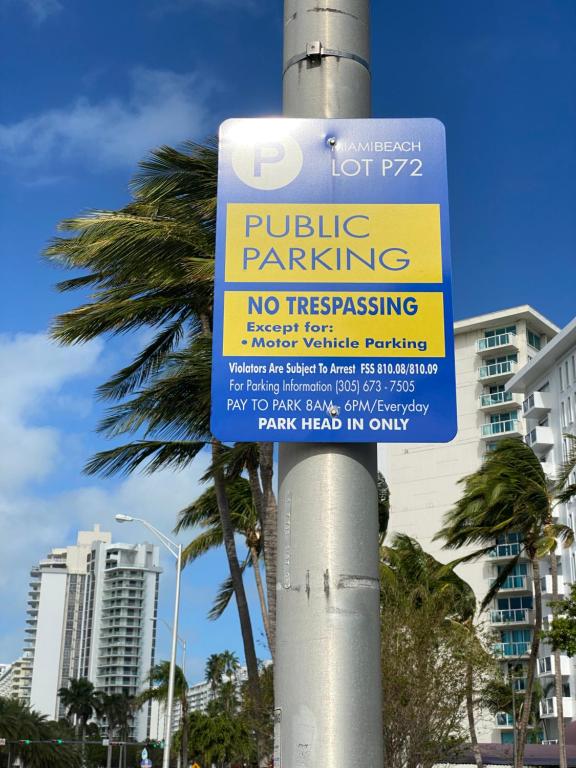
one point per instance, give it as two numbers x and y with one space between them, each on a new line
57 741
24 741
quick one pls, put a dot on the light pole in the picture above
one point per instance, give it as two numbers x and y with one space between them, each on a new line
181 640
176 551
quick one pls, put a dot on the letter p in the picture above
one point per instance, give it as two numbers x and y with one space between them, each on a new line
270 152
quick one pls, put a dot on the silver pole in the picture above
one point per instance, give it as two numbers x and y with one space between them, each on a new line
172 673
327 670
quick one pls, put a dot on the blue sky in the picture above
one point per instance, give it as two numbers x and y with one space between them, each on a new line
89 88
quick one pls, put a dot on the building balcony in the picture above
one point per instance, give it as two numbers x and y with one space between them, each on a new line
497 372
546 585
547 666
504 720
548 707
492 402
504 342
509 428
505 551
538 404
514 584
550 469
511 650
540 439
511 616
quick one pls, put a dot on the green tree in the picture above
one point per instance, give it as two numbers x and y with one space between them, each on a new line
150 265
222 674
510 492
158 678
19 722
562 633
219 739
118 709
428 655
82 703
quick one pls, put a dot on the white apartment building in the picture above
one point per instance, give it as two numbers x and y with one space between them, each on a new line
423 478
118 639
89 614
548 387
55 609
6 676
12 679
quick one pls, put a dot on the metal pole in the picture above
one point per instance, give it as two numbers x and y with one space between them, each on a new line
172 673
327 669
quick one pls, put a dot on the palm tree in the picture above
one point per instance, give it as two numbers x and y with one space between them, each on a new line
118 709
203 514
82 702
406 561
159 677
508 493
221 672
150 265
19 722
435 591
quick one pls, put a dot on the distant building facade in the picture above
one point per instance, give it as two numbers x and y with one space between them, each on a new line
548 388
424 479
89 611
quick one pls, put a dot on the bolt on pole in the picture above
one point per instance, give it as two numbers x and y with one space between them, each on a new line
327 670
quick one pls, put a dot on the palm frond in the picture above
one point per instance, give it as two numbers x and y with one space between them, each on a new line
153 454
225 594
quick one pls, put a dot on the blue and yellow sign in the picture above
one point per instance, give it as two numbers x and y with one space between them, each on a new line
332 314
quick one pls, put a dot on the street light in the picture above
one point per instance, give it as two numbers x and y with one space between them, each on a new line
181 640
176 551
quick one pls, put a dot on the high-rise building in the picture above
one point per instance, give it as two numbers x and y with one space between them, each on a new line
118 639
89 614
11 679
548 387
55 611
424 479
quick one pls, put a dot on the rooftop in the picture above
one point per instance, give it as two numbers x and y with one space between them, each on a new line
538 322
545 359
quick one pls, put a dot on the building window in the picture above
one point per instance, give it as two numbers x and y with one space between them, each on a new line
569 414
534 340
573 367
562 414
561 378
499 331
567 373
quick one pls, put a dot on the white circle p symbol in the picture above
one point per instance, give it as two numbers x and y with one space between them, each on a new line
267 163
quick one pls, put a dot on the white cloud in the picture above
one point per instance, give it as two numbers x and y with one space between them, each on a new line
36 377
162 107
33 371
42 9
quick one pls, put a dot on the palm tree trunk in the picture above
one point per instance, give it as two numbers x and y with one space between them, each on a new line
558 670
260 588
184 745
236 576
269 534
522 726
470 712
